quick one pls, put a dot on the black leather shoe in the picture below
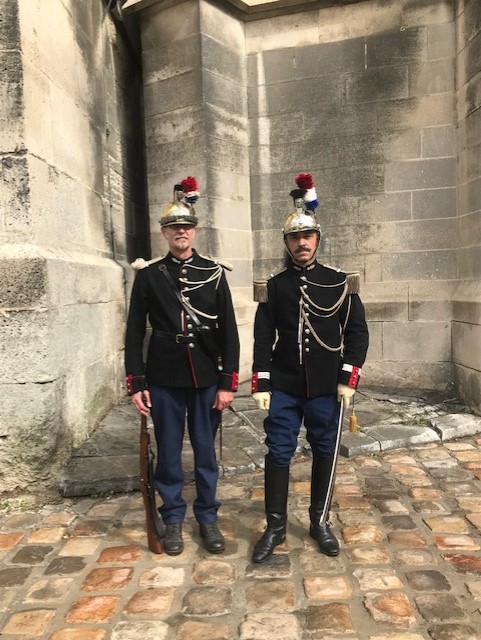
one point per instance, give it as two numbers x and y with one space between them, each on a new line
213 539
327 541
173 543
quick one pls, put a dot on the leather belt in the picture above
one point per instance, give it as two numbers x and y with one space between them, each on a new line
178 338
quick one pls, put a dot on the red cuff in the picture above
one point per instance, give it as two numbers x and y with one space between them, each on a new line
354 378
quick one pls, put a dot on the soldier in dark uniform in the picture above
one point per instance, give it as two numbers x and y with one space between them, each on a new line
310 342
182 374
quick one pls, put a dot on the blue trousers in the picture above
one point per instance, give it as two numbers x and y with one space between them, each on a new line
169 408
283 423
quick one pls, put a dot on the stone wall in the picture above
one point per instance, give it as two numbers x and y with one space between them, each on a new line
72 204
196 124
362 96
466 329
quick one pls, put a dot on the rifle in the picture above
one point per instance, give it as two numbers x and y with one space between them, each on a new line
154 525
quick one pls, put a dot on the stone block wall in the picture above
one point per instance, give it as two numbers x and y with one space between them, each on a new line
363 97
72 206
196 124
466 329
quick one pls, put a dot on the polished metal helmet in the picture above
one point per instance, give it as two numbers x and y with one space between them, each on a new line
181 210
305 201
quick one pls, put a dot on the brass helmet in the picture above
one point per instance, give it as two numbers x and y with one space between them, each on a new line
305 202
181 209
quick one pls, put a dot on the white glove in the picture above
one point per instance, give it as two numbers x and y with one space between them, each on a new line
263 399
345 394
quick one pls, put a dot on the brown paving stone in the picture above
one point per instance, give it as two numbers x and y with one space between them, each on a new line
271 595
29 623
470 503
472 455
472 466
20 521
207 601
407 538
124 553
13 577
140 630
353 502
270 626
454 631
461 488
391 506
348 490
368 555
354 518
79 547
408 470
438 607
474 519
311 561
364 462
422 493
434 454
103 510
362 534
474 588
151 601
9 540
399 457
60 519
332 617
427 580
429 506
379 579
49 590
203 631
107 579
461 542
415 557
398 635
463 562
458 446
415 481
92 609
302 488
65 565
398 523
91 528
257 494
47 534
82 633
31 554
213 571
448 524
391 608
162 577
327 587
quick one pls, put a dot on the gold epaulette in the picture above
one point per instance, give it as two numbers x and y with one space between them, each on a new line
260 291
140 263
353 280
223 263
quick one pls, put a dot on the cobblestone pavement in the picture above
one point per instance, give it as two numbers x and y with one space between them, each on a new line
409 522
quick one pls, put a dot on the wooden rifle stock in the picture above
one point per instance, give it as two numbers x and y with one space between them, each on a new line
154 526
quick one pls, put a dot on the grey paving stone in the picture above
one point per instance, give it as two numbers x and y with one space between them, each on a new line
457 426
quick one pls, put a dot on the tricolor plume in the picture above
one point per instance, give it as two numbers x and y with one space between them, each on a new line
305 181
191 190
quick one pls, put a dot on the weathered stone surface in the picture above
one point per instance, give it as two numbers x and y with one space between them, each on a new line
366 555
439 607
327 587
13 577
379 579
391 608
162 577
124 553
207 601
203 631
450 524
65 565
272 595
107 579
83 633
270 626
49 590
92 609
152 601
453 632
35 621
333 617
362 534
464 563
151 630
32 554
427 580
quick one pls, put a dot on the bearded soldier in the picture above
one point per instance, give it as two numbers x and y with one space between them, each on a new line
310 342
191 368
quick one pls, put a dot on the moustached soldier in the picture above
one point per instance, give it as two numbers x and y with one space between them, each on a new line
310 342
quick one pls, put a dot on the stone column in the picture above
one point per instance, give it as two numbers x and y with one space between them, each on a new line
196 124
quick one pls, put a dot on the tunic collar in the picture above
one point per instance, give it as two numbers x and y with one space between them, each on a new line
172 258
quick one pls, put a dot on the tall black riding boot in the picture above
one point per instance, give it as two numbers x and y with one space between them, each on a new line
319 511
276 489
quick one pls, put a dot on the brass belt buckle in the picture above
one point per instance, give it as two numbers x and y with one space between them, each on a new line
178 336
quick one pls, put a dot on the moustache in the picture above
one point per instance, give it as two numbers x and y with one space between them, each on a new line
302 250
